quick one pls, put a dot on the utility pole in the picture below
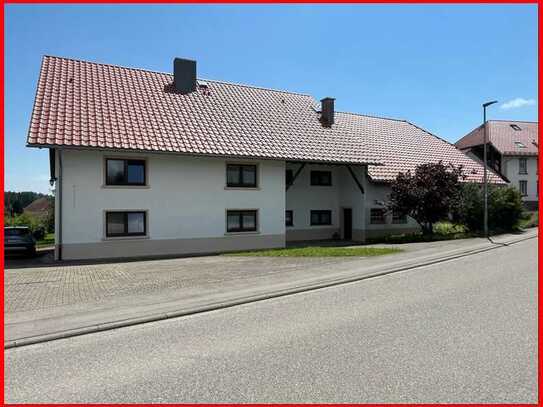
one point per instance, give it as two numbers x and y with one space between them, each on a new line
485 176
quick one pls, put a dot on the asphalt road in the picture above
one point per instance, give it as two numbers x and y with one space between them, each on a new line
460 331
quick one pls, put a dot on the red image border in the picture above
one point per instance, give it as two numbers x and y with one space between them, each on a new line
540 245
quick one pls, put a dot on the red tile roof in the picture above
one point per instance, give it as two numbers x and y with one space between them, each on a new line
89 105
39 206
407 146
505 138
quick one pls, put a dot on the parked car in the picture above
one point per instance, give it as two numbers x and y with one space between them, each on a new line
19 239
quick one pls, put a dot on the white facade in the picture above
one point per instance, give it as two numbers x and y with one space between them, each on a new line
186 199
511 169
302 197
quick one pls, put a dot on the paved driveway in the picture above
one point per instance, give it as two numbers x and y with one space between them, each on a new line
62 297
37 288
40 283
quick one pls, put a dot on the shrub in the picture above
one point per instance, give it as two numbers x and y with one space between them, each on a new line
49 220
39 232
426 195
530 220
505 209
468 208
35 225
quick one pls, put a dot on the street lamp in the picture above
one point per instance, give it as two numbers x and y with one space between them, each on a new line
485 105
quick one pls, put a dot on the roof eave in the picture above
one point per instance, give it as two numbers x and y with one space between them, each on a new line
191 154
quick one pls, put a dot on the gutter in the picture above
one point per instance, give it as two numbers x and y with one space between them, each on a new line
210 155
59 197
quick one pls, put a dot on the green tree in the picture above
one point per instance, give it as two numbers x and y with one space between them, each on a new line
17 201
505 208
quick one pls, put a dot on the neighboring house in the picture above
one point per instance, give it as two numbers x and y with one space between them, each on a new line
150 163
39 208
512 151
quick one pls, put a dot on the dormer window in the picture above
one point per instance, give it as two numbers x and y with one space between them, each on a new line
515 127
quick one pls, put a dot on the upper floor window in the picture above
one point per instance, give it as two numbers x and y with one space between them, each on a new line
125 172
522 166
321 178
319 218
523 187
241 176
377 216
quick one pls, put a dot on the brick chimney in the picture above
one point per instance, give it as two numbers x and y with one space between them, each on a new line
327 111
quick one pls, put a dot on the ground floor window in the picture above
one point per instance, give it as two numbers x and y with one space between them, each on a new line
398 218
241 221
319 218
289 218
129 223
377 216
523 187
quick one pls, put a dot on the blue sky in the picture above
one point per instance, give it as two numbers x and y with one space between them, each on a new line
431 64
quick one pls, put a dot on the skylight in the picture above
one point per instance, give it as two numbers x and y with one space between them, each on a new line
519 144
515 127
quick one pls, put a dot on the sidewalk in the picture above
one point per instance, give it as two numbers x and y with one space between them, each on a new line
46 303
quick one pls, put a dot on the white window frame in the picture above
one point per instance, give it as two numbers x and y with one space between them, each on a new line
522 183
523 166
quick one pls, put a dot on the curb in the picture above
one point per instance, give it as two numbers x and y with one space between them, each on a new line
31 340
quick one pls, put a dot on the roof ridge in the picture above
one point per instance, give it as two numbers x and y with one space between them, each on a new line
432 134
373 116
255 87
513 121
171 74
106 64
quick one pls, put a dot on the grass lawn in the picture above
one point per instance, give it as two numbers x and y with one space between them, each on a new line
48 240
317 251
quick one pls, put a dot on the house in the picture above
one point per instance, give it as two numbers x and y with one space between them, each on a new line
39 208
148 163
512 151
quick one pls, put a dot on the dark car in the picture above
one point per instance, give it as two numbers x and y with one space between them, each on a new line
19 239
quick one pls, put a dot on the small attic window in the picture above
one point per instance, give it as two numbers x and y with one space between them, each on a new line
515 127
202 84
519 144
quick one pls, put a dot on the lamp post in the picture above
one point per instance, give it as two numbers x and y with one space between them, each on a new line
485 177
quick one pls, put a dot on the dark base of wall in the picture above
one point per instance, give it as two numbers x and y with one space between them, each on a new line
531 205
168 247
